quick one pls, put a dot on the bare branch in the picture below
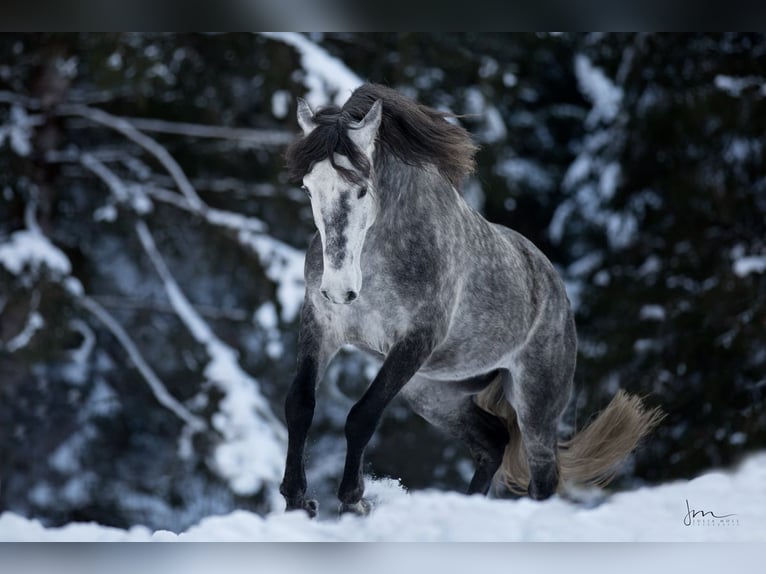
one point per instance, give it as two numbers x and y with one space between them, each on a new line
237 186
7 97
208 311
155 384
114 183
122 191
250 136
162 155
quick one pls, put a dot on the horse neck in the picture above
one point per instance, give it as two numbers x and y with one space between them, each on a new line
415 195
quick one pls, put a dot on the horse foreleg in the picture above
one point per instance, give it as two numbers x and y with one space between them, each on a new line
403 361
299 412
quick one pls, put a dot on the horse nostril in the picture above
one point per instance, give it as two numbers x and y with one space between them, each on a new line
350 296
325 294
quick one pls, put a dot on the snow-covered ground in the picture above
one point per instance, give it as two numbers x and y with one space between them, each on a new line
648 514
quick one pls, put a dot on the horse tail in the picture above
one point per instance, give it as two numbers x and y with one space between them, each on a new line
591 457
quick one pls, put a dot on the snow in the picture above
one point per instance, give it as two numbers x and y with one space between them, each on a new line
585 265
326 76
250 456
518 170
610 178
30 248
509 79
34 323
493 127
18 131
657 513
253 448
280 103
266 316
735 85
283 265
605 96
746 265
652 313
114 62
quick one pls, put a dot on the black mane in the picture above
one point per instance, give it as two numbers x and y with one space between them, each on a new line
413 133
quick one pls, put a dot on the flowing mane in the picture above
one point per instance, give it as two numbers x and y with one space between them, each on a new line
413 133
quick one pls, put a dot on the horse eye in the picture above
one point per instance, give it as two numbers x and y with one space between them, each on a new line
362 192
306 189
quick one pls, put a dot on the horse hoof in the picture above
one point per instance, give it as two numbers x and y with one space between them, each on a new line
542 491
361 508
310 505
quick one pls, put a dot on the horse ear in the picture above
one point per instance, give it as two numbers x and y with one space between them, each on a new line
305 117
363 132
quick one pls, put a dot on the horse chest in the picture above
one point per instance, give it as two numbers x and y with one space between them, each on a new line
370 325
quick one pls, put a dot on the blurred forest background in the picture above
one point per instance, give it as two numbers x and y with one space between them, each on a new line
151 251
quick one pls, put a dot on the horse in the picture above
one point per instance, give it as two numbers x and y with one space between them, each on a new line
471 320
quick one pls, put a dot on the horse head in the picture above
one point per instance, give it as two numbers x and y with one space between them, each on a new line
344 204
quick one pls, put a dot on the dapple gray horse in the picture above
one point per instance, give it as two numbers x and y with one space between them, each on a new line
471 319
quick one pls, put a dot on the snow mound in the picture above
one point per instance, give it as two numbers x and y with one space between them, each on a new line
679 511
32 249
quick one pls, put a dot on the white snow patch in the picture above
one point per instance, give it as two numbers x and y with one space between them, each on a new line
621 229
280 103
493 127
18 131
251 454
34 323
114 62
650 266
738 438
282 264
585 265
31 249
578 171
518 170
325 75
266 316
610 178
509 79
605 96
748 264
657 513
105 213
740 150
735 85
652 313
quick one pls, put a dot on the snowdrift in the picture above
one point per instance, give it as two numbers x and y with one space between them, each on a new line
717 506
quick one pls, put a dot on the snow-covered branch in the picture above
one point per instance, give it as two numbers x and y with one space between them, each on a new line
114 183
7 97
325 74
155 384
216 217
251 454
31 250
127 129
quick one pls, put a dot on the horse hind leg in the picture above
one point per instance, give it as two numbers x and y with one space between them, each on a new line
538 389
448 406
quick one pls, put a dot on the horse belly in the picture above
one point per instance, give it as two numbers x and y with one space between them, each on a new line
463 359
485 342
